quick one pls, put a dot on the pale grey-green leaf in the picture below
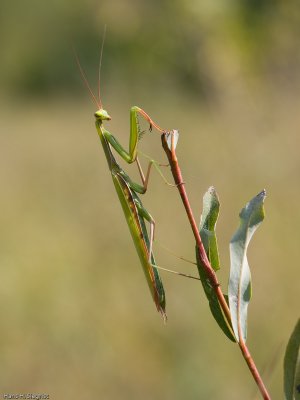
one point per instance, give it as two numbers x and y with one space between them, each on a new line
239 288
292 366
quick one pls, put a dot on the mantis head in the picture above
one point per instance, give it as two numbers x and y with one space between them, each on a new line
102 115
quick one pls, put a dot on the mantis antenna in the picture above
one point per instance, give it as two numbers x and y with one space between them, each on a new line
100 64
84 78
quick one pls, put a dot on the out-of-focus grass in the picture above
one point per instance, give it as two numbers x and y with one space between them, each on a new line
77 320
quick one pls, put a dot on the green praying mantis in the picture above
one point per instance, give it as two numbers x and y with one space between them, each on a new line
135 213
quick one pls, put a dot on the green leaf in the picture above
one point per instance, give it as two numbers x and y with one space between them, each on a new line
239 288
292 366
207 227
210 213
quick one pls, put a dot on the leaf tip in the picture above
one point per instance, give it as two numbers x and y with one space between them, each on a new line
172 139
262 195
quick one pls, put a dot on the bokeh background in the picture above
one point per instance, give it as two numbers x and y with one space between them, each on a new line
77 319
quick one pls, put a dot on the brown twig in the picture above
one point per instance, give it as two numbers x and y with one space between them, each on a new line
176 172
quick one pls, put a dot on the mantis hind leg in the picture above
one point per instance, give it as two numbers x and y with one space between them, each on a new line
142 188
156 165
145 178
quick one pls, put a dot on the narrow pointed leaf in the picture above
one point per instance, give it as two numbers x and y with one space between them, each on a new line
207 227
292 366
239 289
210 213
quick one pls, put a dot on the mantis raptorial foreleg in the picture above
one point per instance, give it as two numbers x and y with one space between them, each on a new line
130 155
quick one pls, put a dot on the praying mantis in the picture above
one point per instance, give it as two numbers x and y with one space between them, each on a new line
128 191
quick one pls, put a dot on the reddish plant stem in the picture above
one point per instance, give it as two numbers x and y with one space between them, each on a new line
176 172
251 365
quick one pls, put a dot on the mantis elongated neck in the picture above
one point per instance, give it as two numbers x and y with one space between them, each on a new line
106 147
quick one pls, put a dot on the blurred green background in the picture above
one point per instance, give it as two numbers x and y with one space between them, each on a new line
77 318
